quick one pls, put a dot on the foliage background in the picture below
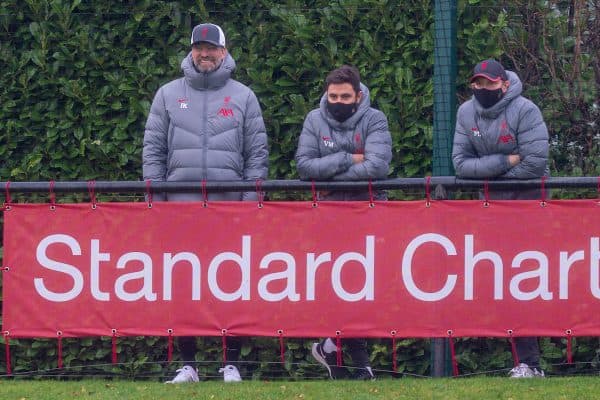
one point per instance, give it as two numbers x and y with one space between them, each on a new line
78 78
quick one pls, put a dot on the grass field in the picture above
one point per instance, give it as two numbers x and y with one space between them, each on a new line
579 388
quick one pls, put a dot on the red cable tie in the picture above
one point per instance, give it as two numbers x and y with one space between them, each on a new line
569 347
394 355
8 200
544 188
92 191
7 350
338 344
281 346
371 193
149 192
486 192
259 193
513 349
314 193
114 346
453 354
224 344
52 195
204 193
170 345
60 350
428 189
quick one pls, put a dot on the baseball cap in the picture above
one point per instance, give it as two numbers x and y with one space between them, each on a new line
490 69
209 33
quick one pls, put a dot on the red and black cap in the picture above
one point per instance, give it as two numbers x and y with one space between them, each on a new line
209 33
489 69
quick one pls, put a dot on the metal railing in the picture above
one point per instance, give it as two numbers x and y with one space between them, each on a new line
447 182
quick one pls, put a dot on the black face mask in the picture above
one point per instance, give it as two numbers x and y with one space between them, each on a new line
487 98
341 111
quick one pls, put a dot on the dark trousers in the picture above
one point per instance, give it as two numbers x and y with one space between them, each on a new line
188 349
528 348
528 351
358 352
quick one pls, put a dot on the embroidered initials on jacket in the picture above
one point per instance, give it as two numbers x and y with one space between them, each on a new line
356 147
327 141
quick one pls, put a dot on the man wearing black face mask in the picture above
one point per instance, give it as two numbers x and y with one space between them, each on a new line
501 134
344 139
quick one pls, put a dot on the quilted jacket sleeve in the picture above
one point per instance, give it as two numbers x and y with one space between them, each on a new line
155 151
256 152
532 139
377 152
309 162
467 163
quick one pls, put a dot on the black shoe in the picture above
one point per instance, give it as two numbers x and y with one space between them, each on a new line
363 374
328 360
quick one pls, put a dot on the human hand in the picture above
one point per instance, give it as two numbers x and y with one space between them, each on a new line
358 158
514 159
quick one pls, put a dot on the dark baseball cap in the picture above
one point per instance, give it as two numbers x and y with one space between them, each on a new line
489 69
209 33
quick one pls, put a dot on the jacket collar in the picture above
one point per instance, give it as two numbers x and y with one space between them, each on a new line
514 90
207 81
351 122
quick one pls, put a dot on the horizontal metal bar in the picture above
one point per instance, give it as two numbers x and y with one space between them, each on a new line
448 182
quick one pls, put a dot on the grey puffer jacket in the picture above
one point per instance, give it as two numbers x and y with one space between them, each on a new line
205 126
326 146
485 137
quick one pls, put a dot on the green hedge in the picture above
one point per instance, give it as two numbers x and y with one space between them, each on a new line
78 78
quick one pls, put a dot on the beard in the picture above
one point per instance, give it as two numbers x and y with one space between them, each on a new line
210 64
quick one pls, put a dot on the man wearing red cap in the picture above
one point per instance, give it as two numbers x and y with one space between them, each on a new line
501 134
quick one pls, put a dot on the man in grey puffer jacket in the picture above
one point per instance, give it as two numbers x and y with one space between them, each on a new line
205 126
347 140
500 134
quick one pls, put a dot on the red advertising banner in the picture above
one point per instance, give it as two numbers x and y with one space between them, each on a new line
398 268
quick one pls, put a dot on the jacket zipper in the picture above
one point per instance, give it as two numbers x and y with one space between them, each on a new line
204 117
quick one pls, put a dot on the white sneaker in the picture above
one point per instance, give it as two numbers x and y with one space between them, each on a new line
230 373
185 374
522 371
538 373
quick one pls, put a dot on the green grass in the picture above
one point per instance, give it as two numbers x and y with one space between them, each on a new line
579 388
